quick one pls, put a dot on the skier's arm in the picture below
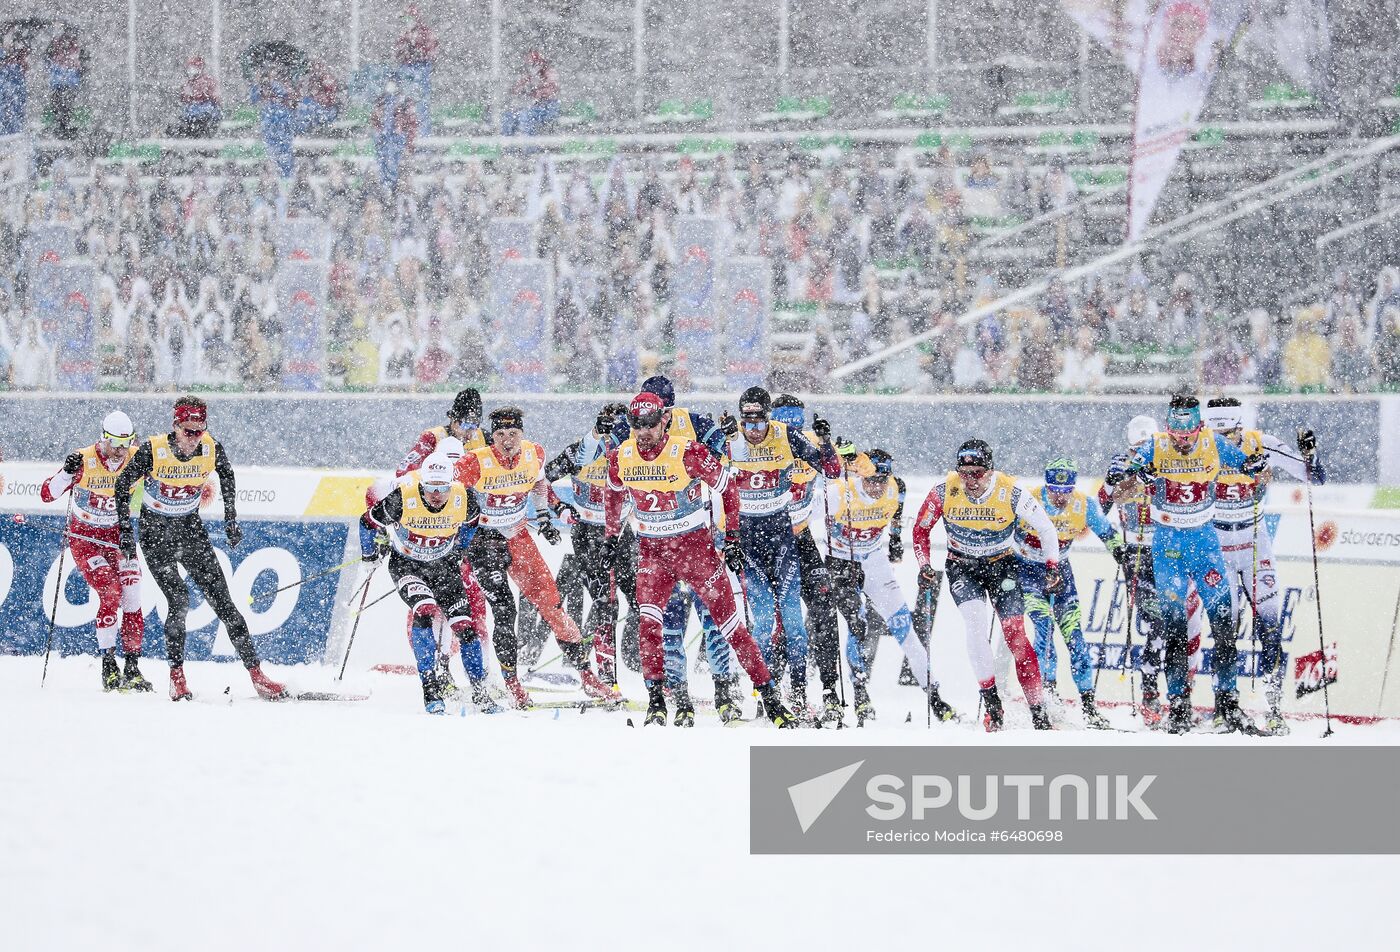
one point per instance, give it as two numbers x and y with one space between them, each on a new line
822 458
700 464
137 469
1285 457
929 513
1029 510
418 452
1099 524
1106 498
224 469
63 480
614 497
471 523
376 521
565 464
710 436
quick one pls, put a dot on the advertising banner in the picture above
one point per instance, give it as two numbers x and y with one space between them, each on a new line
745 296
520 323
696 319
301 306
289 628
1184 43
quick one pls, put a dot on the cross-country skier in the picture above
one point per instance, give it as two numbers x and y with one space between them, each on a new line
862 540
584 463
980 508
91 475
1181 467
765 454
816 580
1245 542
663 475
1135 519
692 425
1057 607
428 520
505 476
174 469
463 423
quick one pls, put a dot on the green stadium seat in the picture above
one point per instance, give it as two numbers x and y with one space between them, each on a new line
789 109
1282 97
1038 103
915 106
676 112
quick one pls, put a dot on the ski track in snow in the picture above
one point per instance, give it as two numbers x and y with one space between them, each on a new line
131 823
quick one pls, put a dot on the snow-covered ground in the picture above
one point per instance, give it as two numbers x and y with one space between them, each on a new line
127 822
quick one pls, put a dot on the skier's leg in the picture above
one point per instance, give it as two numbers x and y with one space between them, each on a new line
1032 579
205 571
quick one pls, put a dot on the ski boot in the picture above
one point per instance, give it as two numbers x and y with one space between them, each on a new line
726 706
482 698
1179 718
942 710
1150 710
607 671
656 705
433 702
596 689
992 717
1040 718
864 710
906 676
796 702
268 689
833 712
111 677
773 707
685 708
1093 717
447 685
1274 724
1229 718
178 690
518 695
132 679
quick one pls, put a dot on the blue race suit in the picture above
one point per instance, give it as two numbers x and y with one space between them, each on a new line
1186 550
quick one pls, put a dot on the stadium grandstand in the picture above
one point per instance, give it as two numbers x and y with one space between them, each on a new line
936 193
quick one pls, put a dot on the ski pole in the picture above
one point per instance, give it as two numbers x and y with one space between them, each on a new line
1389 651
355 626
1254 591
365 608
58 587
19 519
1317 593
310 578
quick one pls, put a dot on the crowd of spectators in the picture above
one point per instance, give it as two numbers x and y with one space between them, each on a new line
863 256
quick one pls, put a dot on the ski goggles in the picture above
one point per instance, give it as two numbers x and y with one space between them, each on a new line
113 439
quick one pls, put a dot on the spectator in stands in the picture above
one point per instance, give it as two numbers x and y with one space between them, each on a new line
416 51
436 357
982 189
200 109
1058 310
34 362
1388 349
1351 362
1342 300
1057 190
1184 316
361 357
1306 358
67 62
1082 366
1037 363
1263 362
14 89
395 127
1387 295
139 364
272 95
319 105
1221 357
538 90
1135 321
396 356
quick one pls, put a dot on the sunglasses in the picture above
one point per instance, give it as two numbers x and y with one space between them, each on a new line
973 472
191 430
